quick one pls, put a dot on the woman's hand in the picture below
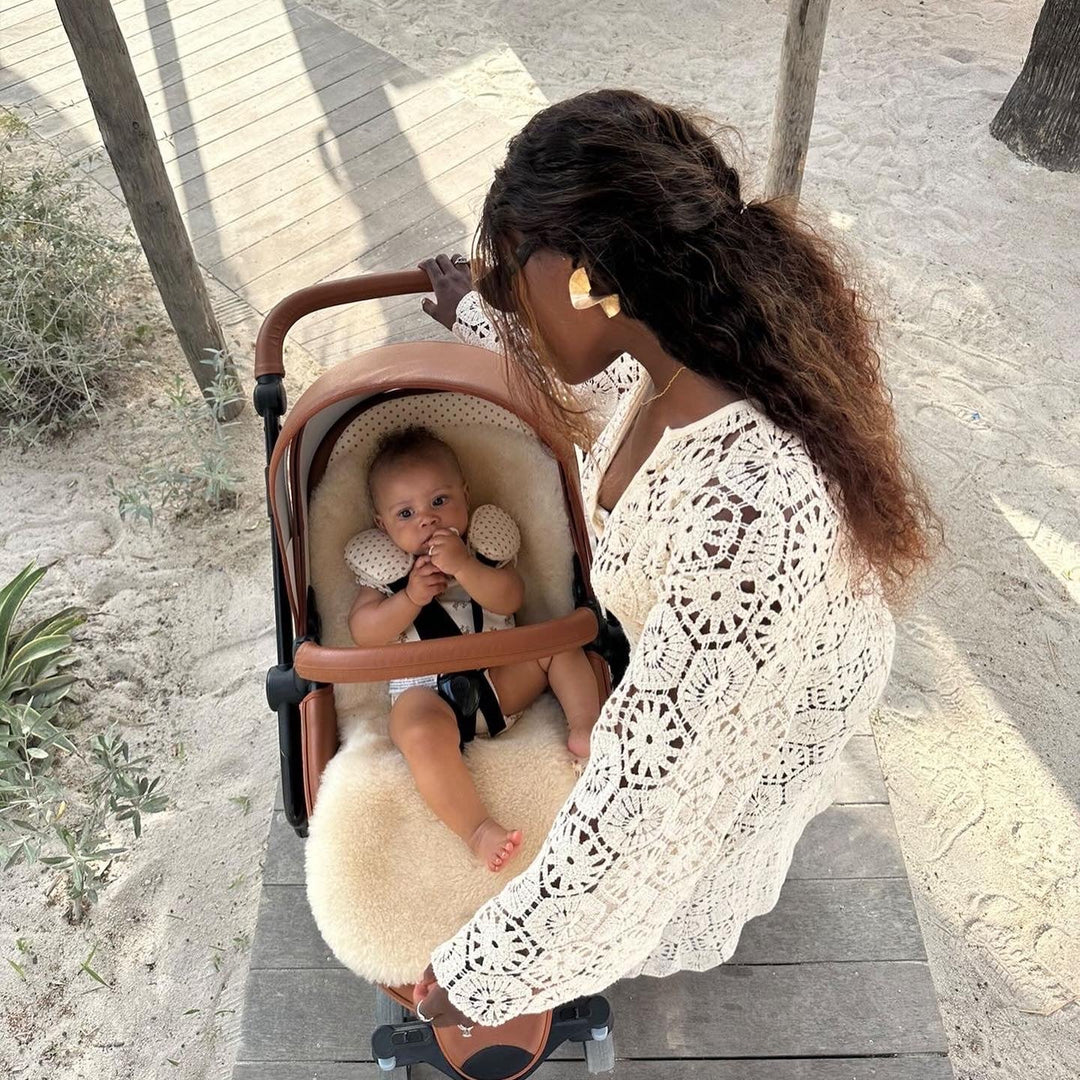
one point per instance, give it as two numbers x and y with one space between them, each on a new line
434 1003
451 279
448 552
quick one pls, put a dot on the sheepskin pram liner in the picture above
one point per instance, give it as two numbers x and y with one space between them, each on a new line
386 880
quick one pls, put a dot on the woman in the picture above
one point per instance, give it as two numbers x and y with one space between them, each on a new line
755 520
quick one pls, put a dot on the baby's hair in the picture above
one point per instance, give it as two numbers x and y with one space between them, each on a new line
408 444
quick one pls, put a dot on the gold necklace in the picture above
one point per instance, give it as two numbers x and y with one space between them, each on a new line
671 382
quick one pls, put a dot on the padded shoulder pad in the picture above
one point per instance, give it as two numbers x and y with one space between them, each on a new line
376 560
494 534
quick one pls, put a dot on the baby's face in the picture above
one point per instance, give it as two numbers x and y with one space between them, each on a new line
415 499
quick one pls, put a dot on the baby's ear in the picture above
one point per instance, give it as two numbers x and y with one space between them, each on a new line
379 523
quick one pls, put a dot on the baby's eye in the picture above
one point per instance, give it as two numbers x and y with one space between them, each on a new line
440 500
404 514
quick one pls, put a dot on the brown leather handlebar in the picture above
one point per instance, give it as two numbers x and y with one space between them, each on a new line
492 649
286 313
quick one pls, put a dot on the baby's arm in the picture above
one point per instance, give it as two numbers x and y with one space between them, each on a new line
499 590
378 620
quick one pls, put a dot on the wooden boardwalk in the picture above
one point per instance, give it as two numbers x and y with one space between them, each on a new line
831 985
300 152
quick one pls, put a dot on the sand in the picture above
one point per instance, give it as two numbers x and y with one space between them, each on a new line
972 255
178 638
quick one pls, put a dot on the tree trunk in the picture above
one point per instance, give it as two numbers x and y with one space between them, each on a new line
124 121
1040 119
800 60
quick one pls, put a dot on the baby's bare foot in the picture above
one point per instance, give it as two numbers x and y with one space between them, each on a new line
578 742
494 844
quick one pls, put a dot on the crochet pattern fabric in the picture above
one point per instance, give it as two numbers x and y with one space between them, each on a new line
753 658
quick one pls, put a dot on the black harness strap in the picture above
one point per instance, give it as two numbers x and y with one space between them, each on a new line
466 692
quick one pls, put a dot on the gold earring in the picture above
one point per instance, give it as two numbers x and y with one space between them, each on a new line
581 295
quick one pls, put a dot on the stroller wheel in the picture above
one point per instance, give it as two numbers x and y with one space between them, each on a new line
388 1011
600 1051
387 1064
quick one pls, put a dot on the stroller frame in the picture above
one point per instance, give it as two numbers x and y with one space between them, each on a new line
289 683
306 672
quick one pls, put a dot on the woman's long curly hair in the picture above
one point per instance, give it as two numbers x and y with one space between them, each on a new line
641 195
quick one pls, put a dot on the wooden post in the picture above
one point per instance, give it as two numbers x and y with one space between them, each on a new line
124 121
794 111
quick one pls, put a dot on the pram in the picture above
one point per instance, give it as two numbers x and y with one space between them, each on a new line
340 777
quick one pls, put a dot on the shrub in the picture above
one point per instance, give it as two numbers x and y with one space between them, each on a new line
41 819
197 470
63 281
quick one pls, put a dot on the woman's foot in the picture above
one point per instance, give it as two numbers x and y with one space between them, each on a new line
494 844
578 741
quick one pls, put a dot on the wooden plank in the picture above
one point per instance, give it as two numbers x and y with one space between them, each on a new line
62 82
236 39
851 920
849 842
133 20
318 1070
793 1010
843 842
284 863
218 85
285 933
907 1067
797 1010
419 233
369 106
812 922
418 238
334 75
860 779
380 140
312 245
230 157
37 16
54 69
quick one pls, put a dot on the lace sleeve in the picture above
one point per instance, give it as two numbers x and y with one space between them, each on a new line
472 325
678 749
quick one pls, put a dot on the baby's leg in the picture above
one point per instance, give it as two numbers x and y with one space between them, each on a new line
571 678
574 683
423 728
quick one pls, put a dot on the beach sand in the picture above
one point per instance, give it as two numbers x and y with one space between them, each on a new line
971 256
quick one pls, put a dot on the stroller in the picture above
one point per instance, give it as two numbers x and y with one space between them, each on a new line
337 775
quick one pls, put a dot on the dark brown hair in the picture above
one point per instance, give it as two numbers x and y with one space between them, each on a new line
408 444
641 195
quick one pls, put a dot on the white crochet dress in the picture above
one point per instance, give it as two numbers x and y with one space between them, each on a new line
752 660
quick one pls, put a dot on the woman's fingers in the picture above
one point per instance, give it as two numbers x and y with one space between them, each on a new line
450 281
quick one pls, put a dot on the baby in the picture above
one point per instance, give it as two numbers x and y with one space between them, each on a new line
421 502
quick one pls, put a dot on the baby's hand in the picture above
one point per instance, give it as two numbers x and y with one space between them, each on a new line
426 581
448 552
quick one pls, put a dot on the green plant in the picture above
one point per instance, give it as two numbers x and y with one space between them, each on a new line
198 469
41 820
64 281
